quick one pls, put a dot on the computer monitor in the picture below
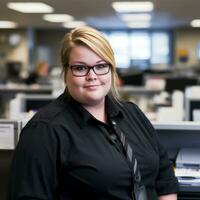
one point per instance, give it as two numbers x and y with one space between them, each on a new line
35 102
23 103
179 83
192 104
174 136
13 69
134 78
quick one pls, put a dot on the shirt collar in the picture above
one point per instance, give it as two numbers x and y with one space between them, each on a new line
82 116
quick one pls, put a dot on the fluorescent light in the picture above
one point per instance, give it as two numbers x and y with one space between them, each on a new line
145 6
136 17
7 24
74 24
30 7
195 23
57 17
138 24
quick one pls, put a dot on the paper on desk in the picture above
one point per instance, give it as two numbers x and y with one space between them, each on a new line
187 172
187 181
7 136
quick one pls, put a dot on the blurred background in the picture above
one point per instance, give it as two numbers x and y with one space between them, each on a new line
156 45
157 50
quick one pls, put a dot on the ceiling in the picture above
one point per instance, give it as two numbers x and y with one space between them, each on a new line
100 14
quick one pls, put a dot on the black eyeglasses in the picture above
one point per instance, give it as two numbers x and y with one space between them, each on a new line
83 70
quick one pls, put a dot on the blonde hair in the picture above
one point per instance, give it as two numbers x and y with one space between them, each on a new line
93 39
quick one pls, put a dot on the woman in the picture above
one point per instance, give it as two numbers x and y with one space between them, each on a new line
71 149
39 76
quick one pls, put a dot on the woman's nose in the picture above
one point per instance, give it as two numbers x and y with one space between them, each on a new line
91 74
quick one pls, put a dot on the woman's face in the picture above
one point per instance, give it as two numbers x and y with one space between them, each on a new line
91 89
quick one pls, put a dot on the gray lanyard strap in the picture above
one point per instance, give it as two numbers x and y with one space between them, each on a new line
130 156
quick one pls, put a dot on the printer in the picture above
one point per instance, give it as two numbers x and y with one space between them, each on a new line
188 166
188 158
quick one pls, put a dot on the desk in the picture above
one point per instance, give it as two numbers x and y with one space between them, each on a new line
137 90
12 89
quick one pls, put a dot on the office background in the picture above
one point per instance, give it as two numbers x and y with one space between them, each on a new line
158 60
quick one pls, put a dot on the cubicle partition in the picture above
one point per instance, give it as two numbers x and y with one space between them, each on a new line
172 136
176 136
9 133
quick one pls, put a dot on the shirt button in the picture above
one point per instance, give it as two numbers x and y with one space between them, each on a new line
113 122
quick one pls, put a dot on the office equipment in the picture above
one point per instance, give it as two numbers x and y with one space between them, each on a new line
179 83
134 78
177 135
9 133
192 105
13 70
35 102
23 104
188 166
188 158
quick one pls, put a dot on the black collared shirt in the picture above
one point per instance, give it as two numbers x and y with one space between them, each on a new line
64 153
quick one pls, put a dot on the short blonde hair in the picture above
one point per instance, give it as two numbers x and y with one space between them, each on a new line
93 39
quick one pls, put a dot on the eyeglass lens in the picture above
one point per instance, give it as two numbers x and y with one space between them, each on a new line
83 70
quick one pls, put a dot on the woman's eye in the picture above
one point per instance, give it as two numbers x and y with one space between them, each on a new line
80 68
100 66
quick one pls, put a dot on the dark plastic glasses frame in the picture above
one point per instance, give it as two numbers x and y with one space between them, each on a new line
94 68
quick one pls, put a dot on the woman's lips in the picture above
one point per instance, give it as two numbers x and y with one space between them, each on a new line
91 86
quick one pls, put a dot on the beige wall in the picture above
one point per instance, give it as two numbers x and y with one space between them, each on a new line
187 39
17 52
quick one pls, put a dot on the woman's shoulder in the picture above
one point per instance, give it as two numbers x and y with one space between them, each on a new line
131 107
134 114
51 112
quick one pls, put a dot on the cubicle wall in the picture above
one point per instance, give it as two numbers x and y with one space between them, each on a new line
178 135
174 137
9 133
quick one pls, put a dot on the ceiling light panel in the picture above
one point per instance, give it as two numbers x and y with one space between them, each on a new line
59 18
139 24
126 7
74 24
195 23
7 24
136 17
30 7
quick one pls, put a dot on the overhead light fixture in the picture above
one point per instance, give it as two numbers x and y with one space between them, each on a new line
136 17
30 7
7 24
59 18
129 6
74 24
195 23
139 24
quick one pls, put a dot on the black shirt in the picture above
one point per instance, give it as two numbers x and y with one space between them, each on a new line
64 153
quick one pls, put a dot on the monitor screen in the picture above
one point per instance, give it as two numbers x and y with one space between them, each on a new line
191 104
13 70
35 102
179 83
